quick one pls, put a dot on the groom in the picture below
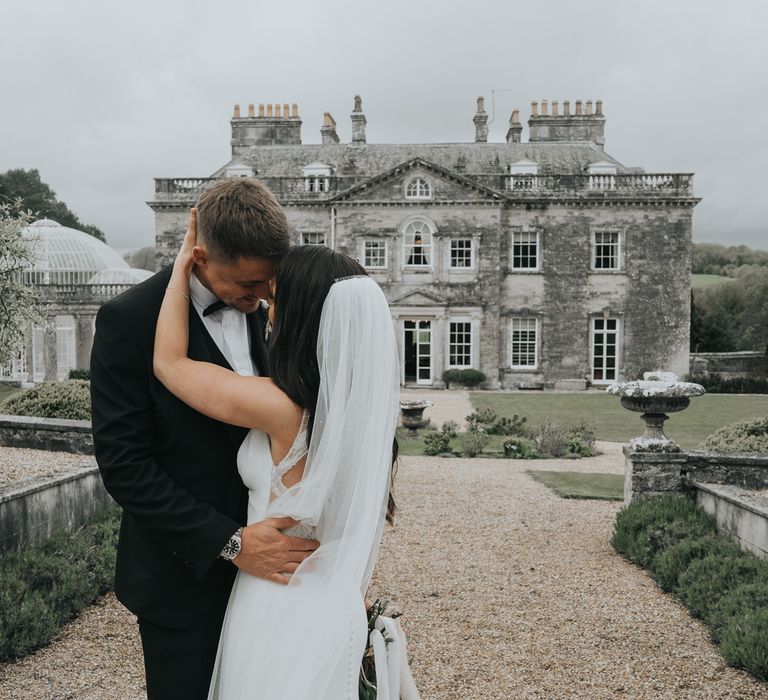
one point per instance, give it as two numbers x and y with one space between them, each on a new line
172 470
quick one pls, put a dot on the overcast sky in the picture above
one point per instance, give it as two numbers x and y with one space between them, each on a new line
101 97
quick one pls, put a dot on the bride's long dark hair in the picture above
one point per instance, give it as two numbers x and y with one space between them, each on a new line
303 278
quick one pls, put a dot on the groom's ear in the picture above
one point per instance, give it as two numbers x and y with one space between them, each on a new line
200 256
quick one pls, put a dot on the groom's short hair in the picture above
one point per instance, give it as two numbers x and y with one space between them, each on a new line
240 217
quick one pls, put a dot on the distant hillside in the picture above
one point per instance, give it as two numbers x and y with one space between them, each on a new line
716 259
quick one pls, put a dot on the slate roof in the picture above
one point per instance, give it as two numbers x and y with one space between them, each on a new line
368 160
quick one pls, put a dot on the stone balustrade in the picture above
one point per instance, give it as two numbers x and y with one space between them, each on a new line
84 293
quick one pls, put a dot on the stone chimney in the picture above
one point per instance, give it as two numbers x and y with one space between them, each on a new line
328 130
358 122
481 122
515 128
275 125
583 125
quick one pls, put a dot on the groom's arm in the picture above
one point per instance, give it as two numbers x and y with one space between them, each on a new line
123 431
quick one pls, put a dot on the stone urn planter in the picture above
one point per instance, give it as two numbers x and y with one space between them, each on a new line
654 396
412 414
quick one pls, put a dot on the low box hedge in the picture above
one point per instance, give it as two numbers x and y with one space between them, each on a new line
44 586
719 582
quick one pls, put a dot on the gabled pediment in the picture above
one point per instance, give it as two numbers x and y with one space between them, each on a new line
413 168
417 297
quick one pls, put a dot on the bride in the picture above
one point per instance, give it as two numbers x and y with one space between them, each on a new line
321 452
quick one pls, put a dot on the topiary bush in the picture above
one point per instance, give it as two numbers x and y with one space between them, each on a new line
745 436
463 377
44 586
70 399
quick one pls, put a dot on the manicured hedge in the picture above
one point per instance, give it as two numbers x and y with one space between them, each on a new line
70 399
44 586
745 436
724 585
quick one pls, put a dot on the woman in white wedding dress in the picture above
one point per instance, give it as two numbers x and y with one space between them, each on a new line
320 451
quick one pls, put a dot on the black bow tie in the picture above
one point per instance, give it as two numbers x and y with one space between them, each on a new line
216 306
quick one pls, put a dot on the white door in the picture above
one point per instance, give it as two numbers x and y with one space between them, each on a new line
417 337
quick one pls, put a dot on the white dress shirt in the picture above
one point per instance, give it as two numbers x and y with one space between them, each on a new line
228 327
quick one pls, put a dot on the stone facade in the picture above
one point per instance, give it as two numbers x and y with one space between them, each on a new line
536 262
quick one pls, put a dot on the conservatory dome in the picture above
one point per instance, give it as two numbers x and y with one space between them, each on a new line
132 275
68 256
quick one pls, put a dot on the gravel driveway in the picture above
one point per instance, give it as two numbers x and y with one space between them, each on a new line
507 591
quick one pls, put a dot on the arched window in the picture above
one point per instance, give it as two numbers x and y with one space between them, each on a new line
418 188
418 244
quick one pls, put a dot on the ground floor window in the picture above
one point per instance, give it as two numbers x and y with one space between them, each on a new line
460 344
523 343
65 346
605 343
313 239
417 337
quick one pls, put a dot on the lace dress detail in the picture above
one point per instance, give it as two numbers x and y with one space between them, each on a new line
297 452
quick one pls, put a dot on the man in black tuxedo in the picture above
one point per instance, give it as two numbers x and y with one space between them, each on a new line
172 470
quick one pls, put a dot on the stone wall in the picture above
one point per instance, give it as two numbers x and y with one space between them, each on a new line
52 434
730 364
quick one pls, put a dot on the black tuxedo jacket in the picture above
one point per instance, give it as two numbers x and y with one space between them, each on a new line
171 469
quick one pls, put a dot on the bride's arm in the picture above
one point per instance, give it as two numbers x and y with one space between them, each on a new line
249 402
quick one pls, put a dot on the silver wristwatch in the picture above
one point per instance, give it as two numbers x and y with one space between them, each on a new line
232 547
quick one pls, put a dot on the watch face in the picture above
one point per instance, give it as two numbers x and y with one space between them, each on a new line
232 548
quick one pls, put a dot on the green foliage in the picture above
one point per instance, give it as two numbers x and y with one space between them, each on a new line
520 448
577 447
473 443
451 427
44 586
744 436
716 259
744 600
648 525
437 443
70 399
717 384
551 438
672 561
516 425
706 581
481 421
744 642
80 374
143 259
27 189
18 301
463 377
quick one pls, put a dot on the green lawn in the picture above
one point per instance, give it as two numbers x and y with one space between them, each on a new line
612 422
577 485
6 391
701 281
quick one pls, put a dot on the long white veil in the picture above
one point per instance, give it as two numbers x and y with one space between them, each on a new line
309 637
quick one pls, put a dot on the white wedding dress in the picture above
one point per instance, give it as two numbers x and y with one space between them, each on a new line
305 641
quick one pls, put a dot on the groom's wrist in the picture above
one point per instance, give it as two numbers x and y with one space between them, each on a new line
232 548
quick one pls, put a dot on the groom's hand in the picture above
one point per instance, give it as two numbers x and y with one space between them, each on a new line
267 553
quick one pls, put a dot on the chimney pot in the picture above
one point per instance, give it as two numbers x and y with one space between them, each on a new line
269 111
286 111
237 112
294 110
544 108
278 113
599 107
578 107
567 108
534 108
261 110
250 110
480 105
358 104
515 117
589 106
555 110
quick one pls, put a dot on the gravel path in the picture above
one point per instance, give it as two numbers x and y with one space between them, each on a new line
507 591
19 465
446 405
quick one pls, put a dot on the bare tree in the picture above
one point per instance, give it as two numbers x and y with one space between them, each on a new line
18 301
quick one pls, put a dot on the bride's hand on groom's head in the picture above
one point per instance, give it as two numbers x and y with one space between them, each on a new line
268 553
185 257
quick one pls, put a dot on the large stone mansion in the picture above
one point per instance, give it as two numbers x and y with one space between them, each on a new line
544 263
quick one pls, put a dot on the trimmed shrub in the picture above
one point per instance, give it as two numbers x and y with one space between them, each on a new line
576 447
481 421
437 443
473 443
744 600
70 399
706 581
672 561
744 642
44 586
645 527
463 377
520 448
585 432
745 436
80 374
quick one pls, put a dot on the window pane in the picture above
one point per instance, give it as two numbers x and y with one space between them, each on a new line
524 250
523 342
461 252
460 344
